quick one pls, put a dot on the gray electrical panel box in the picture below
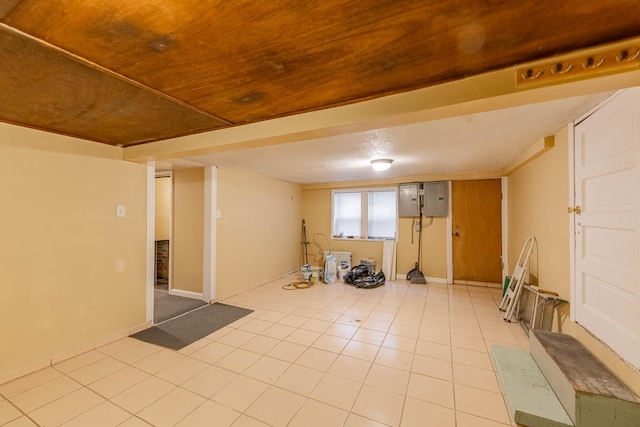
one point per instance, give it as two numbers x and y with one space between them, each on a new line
436 198
409 200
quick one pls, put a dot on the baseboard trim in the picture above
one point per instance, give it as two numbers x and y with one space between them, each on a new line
21 371
186 294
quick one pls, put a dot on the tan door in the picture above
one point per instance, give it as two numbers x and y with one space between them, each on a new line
476 214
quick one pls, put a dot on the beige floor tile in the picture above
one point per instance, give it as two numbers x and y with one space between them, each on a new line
336 391
195 346
350 367
478 359
21 422
432 367
105 414
66 408
255 326
238 360
436 336
299 379
470 343
8 412
293 320
209 381
404 330
399 342
388 378
327 315
481 403
435 350
418 413
79 361
385 316
330 343
182 370
468 420
44 393
272 316
316 325
287 351
361 350
376 325
379 405
317 359
118 382
394 358
276 406
137 352
158 361
260 344
171 408
28 382
118 346
247 421
236 338
141 395
318 414
499 336
430 389
278 331
134 422
304 337
369 336
97 370
213 352
240 393
342 331
219 333
267 369
355 420
208 414
475 377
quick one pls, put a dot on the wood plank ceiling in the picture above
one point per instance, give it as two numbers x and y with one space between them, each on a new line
129 72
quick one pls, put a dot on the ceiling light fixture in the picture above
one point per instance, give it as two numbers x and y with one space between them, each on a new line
381 164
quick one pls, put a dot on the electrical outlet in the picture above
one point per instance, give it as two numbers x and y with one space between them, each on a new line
218 214
417 224
119 266
120 211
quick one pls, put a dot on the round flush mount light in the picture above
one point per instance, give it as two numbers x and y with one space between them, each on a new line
381 164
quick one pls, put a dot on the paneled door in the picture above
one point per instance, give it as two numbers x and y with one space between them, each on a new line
476 219
606 217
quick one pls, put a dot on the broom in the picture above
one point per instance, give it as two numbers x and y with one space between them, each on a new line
416 275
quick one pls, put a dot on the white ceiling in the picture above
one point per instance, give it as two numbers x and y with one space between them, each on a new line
465 144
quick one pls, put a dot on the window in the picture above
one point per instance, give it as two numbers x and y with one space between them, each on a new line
364 214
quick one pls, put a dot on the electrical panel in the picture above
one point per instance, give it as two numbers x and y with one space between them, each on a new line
436 198
409 200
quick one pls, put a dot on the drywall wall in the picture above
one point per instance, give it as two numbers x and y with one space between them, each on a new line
163 208
60 240
317 214
258 232
188 230
538 201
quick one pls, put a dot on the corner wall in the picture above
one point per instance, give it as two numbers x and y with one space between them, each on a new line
60 238
538 201
258 232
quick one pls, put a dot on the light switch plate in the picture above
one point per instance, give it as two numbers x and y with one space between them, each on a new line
120 211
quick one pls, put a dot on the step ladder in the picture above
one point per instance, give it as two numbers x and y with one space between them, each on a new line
511 296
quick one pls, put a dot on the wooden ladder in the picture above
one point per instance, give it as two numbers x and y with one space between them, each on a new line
511 296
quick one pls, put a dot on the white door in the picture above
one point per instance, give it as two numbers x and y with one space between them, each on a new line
607 251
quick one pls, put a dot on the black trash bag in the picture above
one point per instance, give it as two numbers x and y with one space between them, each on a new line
356 273
361 277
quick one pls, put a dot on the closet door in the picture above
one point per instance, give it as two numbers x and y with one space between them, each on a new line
606 218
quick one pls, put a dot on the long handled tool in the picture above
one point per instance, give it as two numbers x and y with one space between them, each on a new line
415 275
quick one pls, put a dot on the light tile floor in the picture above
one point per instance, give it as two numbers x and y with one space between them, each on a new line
332 355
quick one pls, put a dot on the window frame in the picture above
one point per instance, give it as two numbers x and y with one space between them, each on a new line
364 213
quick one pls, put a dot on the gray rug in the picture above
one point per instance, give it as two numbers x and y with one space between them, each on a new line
184 330
167 306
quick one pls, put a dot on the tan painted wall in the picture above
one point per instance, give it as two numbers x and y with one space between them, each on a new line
163 208
60 239
258 233
538 201
317 214
188 230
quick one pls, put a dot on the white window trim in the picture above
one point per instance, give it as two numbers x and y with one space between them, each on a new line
364 223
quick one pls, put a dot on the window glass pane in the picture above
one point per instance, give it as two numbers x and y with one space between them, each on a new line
382 214
346 214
